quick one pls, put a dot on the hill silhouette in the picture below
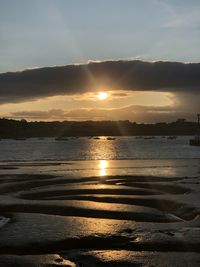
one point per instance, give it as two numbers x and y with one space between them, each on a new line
10 128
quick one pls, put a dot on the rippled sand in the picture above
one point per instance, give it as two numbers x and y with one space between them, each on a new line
99 213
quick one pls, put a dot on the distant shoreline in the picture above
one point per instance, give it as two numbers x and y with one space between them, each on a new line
23 129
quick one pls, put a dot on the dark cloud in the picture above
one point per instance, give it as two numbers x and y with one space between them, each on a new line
117 75
187 101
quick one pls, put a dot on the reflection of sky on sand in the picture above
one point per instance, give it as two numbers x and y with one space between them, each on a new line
112 256
41 229
102 168
102 227
111 207
105 227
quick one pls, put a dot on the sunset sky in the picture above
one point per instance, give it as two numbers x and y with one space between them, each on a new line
100 60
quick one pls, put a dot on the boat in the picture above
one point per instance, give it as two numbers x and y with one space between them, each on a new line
110 138
61 139
196 140
171 137
149 137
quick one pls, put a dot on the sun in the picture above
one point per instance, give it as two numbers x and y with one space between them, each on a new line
102 95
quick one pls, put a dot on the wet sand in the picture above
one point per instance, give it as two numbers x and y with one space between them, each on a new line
100 214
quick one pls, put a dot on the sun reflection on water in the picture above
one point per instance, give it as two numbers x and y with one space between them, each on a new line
103 165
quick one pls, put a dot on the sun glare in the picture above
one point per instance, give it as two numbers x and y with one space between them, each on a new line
103 164
102 95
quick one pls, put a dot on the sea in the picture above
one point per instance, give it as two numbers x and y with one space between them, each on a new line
98 156
98 148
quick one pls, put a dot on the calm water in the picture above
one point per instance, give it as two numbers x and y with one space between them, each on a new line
97 149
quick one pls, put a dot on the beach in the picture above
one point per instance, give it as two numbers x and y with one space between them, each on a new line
100 213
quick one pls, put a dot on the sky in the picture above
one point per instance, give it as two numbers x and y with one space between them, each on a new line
56 55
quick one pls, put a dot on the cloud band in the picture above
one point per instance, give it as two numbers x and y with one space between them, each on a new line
134 75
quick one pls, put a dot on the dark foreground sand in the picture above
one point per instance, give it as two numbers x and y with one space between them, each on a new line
52 218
